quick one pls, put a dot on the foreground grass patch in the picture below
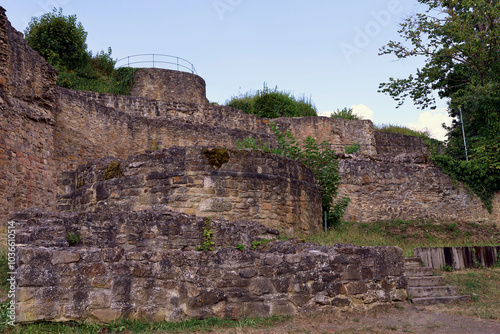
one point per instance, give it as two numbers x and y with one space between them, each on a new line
189 326
483 285
410 234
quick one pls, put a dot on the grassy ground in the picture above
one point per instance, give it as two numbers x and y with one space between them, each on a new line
190 326
409 235
484 287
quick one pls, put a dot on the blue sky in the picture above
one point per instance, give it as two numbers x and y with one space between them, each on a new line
326 50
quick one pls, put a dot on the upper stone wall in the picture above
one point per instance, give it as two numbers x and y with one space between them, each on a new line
27 122
89 127
394 143
170 86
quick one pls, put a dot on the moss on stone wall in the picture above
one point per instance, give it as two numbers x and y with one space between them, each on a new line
113 171
217 156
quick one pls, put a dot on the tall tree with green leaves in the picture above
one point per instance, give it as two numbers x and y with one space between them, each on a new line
460 40
59 39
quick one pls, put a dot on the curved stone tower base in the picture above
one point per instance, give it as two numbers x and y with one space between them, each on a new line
169 86
208 182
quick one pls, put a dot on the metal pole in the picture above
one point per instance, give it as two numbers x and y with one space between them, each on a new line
326 227
463 134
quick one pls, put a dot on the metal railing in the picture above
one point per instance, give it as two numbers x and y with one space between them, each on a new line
158 61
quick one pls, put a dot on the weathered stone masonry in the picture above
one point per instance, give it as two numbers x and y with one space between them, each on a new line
137 258
254 186
27 168
142 265
45 129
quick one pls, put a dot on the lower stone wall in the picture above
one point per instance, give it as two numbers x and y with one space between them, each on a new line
105 281
409 188
249 185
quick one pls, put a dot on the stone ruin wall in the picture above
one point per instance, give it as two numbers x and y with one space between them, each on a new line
171 86
142 265
253 186
27 123
407 190
45 129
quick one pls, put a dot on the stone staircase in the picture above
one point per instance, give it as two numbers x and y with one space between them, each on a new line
425 289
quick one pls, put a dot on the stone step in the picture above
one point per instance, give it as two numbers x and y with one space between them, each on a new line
419 271
426 281
432 291
441 300
413 262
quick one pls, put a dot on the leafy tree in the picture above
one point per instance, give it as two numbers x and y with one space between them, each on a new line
460 40
59 39
271 103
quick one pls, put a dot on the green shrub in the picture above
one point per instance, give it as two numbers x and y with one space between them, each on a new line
272 103
208 236
345 113
61 40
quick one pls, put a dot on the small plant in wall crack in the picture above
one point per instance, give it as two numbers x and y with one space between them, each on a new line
208 236
72 238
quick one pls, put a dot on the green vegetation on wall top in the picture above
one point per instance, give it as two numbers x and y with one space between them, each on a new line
272 103
345 113
61 40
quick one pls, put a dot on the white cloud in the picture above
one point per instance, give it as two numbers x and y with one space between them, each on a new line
361 110
432 121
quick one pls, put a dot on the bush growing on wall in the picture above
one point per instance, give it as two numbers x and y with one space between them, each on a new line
345 113
319 157
61 40
272 103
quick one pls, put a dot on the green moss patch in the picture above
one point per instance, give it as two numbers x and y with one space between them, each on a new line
216 157
113 171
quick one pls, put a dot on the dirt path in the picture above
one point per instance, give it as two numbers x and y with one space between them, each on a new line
406 318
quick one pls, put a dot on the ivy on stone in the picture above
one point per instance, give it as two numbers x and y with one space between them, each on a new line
321 158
